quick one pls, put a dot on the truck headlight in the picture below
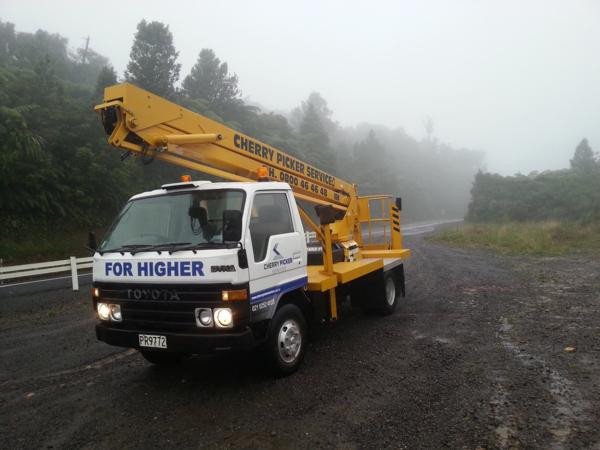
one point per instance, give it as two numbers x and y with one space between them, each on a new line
115 313
223 317
204 317
103 311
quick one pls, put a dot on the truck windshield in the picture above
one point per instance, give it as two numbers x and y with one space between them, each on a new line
182 218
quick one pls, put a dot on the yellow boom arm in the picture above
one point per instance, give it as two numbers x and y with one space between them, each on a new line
145 123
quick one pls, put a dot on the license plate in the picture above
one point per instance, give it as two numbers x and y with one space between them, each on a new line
153 340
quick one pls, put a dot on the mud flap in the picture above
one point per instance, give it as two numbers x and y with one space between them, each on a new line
399 276
366 292
320 306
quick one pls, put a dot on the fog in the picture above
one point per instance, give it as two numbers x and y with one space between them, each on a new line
517 80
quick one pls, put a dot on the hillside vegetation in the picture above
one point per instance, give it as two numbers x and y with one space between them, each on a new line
572 194
553 213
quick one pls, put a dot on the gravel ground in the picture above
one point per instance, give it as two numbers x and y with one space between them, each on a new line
474 358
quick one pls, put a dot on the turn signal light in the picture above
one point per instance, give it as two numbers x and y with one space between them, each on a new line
234 296
186 178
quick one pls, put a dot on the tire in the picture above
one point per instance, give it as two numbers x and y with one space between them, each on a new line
162 359
391 293
286 343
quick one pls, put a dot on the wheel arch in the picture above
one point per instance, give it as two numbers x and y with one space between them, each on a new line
298 298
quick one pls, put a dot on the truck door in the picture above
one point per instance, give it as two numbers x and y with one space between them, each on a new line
276 251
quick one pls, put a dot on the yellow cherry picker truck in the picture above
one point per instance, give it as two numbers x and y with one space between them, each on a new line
199 267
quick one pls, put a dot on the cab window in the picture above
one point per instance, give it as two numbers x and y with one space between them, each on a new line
270 216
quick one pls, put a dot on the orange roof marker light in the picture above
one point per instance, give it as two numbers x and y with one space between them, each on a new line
263 173
186 178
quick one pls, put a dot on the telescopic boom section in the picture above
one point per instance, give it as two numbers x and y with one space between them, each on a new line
139 121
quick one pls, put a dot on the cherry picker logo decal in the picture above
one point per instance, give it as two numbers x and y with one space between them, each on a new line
276 251
278 260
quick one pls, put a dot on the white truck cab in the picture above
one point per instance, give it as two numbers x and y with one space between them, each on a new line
199 267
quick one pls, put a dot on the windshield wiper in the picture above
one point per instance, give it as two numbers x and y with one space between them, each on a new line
159 247
122 249
171 247
204 245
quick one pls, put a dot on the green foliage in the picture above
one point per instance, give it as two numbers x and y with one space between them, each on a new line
106 77
43 244
320 107
583 160
372 158
315 140
41 46
433 179
153 59
88 66
54 165
552 238
211 81
568 194
8 41
314 129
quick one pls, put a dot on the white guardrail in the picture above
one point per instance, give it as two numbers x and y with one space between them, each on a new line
72 264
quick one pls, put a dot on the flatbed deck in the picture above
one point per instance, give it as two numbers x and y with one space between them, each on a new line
344 272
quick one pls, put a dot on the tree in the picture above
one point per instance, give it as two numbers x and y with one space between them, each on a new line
583 159
7 40
32 48
86 66
319 107
153 59
372 167
106 77
315 141
210 80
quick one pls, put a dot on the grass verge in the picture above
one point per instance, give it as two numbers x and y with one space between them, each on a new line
43 246
552 238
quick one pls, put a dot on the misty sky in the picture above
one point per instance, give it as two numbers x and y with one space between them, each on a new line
519 80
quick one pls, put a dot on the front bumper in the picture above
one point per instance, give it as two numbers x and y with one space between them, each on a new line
195 344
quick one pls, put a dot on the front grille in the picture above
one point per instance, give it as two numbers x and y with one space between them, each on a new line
170 293
158 316
171 310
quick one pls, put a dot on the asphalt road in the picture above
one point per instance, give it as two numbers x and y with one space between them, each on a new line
473 358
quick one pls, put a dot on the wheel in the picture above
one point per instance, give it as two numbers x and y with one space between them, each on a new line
161 358
286 342
388 305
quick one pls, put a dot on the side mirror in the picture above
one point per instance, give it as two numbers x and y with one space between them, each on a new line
232 225
92 244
